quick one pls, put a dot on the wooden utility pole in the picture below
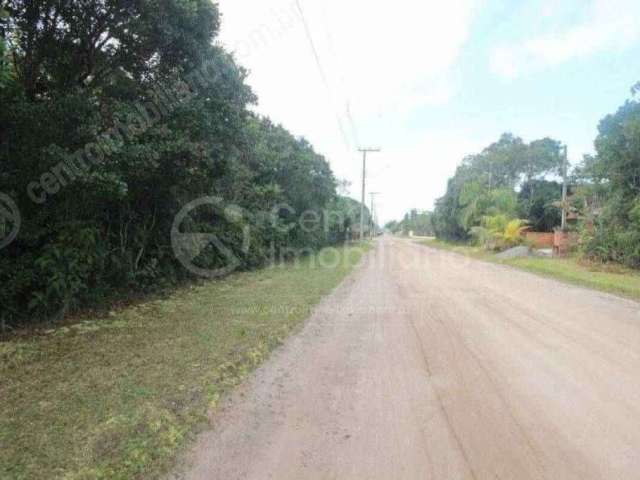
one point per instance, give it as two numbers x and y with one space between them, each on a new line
364 180
565 162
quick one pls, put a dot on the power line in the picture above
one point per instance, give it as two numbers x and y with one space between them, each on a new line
323 75
337 62
354 130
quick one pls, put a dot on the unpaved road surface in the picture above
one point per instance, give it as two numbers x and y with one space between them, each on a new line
428 365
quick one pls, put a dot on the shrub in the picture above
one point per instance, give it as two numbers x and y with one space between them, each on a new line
498 232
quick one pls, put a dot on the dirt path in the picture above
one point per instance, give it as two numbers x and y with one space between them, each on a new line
428 365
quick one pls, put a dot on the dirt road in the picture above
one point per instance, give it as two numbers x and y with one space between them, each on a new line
428 365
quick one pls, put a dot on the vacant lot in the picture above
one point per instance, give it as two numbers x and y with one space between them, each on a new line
118 398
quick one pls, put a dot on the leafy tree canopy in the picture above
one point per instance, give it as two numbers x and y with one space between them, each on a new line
485 184
115 114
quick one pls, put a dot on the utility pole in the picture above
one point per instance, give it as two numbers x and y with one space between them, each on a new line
373 221
565 162
364 180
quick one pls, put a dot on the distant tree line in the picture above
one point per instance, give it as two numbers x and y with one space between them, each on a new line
609 188
505 180
414 222
511 185
114 116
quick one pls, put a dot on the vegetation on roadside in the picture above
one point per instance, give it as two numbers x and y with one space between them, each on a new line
119 398
614 279
613 177
506 181
416 222
498 232
606 278
115 115
496 194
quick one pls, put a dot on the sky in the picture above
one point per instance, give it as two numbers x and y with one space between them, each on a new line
429 82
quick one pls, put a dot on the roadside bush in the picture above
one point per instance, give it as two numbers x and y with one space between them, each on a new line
168 111
621 246
498 232
65 267
614 173
611 241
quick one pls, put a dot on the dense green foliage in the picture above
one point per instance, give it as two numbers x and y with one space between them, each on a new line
490 192
114 116
485 184
613 174
498 232
537 202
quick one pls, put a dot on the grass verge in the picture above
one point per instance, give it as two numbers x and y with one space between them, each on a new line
119 398
606 278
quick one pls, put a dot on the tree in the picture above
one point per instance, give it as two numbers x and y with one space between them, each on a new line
117 115
536 204
499 232
616 170
417 222
5 69
484 184
393 226
343 218
543 157
502 162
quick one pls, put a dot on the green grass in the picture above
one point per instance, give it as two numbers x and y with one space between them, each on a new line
606 278
120 398
622 282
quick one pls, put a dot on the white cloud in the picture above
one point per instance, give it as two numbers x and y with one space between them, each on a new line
381 56
611 25
390 53
416 175
382 59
